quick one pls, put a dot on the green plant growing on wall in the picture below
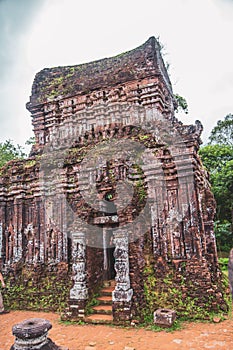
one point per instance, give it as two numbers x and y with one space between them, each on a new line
91 303
164 293
48 292
141 190
30 163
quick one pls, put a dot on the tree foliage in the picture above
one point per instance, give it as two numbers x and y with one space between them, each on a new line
31 141
222 133
9 151
181 103
217 157
223 235
218 160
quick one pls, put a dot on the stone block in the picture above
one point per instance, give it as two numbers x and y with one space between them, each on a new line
164 317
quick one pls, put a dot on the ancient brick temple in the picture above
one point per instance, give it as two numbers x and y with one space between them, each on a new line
113 187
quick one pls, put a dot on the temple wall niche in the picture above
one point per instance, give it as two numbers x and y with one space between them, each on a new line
29 235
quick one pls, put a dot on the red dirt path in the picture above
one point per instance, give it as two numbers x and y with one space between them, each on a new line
193 336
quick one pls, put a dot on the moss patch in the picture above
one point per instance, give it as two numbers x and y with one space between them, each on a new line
38 288
178 292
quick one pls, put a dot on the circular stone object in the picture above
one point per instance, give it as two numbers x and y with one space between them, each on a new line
31 328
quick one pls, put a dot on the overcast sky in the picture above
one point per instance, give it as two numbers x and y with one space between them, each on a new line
197 35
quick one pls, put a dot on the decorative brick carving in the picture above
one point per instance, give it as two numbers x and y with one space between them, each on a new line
79 291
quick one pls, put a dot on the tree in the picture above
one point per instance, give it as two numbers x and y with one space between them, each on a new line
217 158
223 235
9 151
31 141
222 133
181 103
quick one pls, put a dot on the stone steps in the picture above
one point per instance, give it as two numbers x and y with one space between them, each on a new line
103 309
107 291
102 313
99 319
109 284
105 300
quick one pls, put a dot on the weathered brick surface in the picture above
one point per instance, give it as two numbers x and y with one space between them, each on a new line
38 287
76 110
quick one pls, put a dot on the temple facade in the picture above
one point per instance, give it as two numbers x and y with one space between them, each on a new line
113 187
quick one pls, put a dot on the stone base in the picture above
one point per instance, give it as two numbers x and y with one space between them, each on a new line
122 295
49 346
32 334
121 311
75 312
164 317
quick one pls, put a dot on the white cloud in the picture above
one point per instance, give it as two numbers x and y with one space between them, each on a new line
196 35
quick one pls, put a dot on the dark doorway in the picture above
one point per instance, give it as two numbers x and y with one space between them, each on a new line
109 272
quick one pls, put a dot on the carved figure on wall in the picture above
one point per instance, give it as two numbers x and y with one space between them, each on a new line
10 243
30 241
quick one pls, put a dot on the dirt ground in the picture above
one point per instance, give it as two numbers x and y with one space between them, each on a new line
193 336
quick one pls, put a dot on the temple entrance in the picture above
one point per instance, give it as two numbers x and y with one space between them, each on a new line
109 272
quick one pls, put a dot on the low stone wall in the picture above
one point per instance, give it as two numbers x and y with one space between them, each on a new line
194 287
41 287
189 287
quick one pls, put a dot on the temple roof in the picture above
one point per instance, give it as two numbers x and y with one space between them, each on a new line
59 82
